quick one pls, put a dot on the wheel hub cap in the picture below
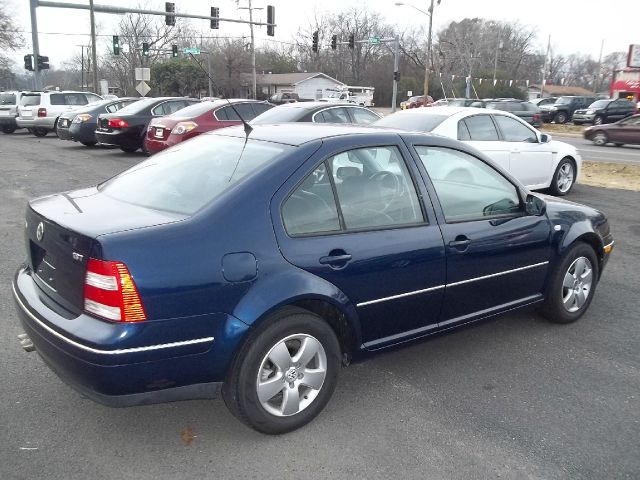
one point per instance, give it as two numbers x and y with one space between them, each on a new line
577 283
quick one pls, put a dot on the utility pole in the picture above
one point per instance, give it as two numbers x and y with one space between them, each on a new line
37 79
94 59
495 61
544 69
253 46
428 62
596 85
396 65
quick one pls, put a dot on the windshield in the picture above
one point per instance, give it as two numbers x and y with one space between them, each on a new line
564 100
600 103
192 174
7 98
421 122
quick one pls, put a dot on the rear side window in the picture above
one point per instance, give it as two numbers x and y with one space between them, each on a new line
114 107
259 108
227 113
463 131
30 100
481 128
245 111
362 116
334 115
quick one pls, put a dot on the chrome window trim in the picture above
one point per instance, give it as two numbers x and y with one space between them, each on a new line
107 352
454 284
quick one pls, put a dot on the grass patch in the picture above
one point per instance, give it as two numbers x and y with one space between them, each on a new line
611 175
562 128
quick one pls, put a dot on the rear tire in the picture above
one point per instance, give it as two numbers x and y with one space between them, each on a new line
564 178
285 373
8 129
618 144
598 120
128 149
561 117
40 132
572 285
89 144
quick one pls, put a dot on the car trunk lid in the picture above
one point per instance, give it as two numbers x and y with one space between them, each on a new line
63 232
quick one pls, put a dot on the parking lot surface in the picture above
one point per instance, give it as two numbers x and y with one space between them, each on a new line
515 397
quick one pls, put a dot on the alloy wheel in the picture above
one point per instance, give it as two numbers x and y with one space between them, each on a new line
600 138
291 375
564 181
577 283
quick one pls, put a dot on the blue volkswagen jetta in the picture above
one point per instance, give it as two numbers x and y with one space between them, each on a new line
258 264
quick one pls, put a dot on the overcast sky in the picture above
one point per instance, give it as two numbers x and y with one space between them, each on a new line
574 25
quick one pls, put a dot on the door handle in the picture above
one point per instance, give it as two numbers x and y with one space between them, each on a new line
461 243
335 258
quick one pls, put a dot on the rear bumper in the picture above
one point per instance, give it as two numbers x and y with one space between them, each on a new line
119 138
83 132
119 364
37 122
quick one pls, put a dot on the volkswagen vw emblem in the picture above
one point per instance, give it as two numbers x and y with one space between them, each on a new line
40 231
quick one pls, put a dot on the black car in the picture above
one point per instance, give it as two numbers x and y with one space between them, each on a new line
317 112
525 110
80 124
562 110
605 111
128 127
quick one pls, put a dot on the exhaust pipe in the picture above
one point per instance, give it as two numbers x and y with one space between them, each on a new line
26 343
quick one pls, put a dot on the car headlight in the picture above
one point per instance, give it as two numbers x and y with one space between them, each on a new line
590 111
82 118
184 127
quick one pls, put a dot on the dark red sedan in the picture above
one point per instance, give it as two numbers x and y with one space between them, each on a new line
626 131
202 117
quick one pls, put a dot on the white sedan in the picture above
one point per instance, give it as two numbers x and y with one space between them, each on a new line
529 155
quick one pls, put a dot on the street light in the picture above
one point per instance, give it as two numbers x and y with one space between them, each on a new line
428 62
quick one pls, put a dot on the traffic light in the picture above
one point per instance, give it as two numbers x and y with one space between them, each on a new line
215 23
314 45
174 50
43 62
334 42
352 41
28 62
271 19
170 7
145 49
116 45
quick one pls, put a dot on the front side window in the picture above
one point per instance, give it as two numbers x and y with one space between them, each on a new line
481 128
74 99
468 188
514 131
56 99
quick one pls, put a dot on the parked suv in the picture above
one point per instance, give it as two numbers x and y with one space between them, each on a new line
9 102
562 110
39 111
527 111
605 111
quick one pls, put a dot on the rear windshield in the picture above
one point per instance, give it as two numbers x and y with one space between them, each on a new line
28 100
192 174
7 98
280 115
600 104
421 122
138 106
195 110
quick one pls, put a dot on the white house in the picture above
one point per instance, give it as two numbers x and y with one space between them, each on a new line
308 85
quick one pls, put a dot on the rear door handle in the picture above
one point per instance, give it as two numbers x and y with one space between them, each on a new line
461 243
335 258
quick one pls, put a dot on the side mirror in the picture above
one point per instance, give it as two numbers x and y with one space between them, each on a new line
535 206
545 138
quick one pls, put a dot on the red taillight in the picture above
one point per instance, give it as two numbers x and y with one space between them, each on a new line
536 117
42 112
117 123
111 293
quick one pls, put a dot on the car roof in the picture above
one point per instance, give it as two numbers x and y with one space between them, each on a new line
299 133
312 105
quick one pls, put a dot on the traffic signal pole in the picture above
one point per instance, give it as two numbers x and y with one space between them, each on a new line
94 57
37 80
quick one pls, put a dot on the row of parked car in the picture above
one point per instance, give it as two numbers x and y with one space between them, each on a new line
579 109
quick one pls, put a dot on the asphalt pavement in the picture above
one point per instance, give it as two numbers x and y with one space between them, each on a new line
515 397
608 153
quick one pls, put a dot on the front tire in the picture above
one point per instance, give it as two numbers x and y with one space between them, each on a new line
89 144
129 149
572 285
600 138
8 129
598 120
285 373
563 178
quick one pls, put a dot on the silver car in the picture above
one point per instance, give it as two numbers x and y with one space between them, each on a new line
9 102
39 111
